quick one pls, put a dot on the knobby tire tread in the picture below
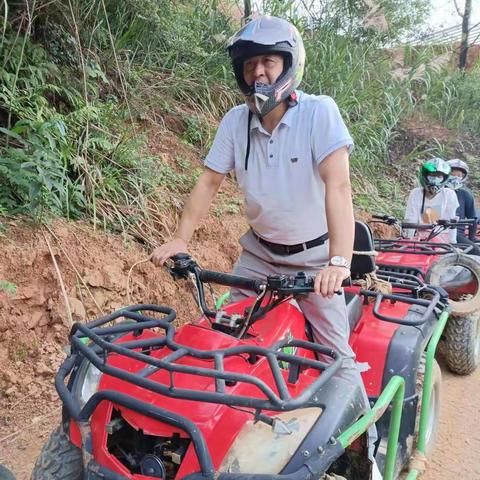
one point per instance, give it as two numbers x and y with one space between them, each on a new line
460 339
59 459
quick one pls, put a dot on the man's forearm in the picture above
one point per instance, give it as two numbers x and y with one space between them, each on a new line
340 220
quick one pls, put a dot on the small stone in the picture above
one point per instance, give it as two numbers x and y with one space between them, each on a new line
95 279
35 319
100 297
78 310
10 391
42 369
9 377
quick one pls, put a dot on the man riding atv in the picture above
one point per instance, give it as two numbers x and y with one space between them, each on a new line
466 209
290 154
431 201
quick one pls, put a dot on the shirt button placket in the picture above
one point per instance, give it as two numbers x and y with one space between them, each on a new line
270 153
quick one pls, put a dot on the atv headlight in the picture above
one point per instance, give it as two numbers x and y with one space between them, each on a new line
87 381
260 448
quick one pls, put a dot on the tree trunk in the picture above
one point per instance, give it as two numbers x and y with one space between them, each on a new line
247 11
465 28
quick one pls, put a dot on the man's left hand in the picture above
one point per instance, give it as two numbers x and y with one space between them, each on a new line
329 280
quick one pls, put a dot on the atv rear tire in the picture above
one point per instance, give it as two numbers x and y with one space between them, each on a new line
462 343
470 262
59 459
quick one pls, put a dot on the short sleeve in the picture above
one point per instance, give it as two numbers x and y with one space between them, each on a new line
221 157
329 132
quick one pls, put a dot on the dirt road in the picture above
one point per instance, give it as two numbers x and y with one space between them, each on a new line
457 452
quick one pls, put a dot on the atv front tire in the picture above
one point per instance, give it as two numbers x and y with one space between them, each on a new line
59 459
462 343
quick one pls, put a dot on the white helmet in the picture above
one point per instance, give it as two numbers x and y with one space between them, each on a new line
454 181
262 36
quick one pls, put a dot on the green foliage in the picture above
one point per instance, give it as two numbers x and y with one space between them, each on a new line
8 287
454 98
78 83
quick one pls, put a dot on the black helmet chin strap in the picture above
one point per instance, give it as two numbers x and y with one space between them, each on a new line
247 153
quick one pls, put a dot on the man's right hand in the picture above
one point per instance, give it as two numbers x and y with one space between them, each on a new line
162 253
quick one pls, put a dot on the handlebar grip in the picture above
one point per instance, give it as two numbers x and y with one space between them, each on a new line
416 226
229 280
380 217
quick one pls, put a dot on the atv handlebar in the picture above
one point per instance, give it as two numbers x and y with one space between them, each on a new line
440 223
183 265
436 228
208 276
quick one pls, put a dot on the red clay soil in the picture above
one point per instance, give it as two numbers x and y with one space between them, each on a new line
34 326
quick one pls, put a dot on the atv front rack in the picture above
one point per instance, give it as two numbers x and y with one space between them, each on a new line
101 343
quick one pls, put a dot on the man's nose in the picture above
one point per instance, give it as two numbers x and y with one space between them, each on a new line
259 70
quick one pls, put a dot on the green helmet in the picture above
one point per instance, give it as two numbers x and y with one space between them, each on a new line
429 174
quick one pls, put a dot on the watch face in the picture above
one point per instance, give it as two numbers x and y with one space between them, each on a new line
338 261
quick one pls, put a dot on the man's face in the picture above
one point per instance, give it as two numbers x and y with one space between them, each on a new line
262 68
457 173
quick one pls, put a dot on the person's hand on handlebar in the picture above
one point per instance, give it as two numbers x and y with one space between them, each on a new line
162 253
329 280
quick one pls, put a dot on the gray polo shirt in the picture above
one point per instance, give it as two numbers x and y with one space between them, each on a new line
284 194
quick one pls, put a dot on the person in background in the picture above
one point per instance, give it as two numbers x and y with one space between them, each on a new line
431 201
466 209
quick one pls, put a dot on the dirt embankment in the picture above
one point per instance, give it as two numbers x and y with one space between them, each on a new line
93 268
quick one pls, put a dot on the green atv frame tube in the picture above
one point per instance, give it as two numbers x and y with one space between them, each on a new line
427 390
394 393
395 390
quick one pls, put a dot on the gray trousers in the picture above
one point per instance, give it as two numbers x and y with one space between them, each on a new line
328 317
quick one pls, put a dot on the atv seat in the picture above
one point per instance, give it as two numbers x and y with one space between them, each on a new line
362 263
354 309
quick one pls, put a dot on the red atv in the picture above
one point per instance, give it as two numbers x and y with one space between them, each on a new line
244 393
449 266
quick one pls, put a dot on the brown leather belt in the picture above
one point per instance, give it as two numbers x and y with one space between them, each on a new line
284 250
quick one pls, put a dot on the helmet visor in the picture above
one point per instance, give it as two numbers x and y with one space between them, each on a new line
269 34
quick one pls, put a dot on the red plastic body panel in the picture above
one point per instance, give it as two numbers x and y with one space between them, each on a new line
221 424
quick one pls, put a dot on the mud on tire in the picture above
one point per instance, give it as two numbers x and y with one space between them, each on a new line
59 459
462 343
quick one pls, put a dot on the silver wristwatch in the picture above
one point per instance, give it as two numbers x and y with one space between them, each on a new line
338 261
